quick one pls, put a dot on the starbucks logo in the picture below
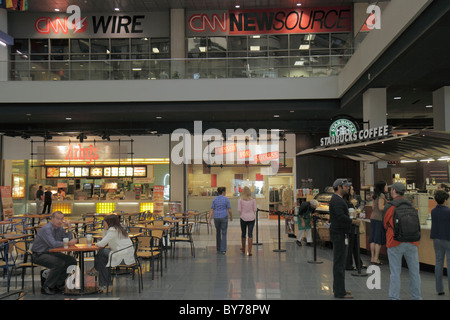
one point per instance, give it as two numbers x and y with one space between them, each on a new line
342 127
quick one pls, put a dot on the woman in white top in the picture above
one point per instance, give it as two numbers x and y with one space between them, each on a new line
247 211
117 239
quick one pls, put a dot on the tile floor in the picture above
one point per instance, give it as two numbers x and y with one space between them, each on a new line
267 275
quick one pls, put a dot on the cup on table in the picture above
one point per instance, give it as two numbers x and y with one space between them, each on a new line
89 239
66 242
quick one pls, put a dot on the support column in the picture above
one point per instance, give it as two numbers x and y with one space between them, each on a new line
441 109
177 43
374 115
374 107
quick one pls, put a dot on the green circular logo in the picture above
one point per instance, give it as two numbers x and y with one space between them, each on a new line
342 126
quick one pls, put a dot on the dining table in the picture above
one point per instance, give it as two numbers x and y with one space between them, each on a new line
81 249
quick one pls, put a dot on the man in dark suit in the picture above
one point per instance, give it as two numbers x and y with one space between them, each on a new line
47 200
340 224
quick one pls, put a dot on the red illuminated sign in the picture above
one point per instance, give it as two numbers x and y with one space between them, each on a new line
266 156
226 149
274 21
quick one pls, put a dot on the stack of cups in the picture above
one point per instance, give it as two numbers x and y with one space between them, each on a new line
89 240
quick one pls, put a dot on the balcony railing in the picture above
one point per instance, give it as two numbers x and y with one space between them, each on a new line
192 68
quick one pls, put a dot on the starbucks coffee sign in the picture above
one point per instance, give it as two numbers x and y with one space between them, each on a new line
342 126
344 131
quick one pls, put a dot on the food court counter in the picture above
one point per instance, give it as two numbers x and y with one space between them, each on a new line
80 207
426 249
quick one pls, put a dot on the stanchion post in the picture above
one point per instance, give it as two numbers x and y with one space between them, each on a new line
358 256
315 241
279 235
257 243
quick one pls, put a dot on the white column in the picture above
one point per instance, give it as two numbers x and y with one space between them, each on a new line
3 49
374 107
177 41
441 109
374 115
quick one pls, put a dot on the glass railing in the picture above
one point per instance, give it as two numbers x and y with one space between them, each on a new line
192 68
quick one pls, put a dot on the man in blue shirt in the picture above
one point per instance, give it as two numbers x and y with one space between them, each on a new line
51 236
221 210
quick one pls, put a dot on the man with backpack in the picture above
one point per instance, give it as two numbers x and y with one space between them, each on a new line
402 225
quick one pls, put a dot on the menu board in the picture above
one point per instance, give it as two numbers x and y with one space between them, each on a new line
96 172
7 210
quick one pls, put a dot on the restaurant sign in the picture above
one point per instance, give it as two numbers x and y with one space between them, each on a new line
270 21
356 136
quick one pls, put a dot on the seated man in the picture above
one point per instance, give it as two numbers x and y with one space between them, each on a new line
51 236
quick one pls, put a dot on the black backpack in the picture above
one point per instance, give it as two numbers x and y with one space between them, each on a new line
406 221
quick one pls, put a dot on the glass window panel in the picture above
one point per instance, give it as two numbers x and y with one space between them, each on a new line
59 45
120 57
120 45
339 40
257 43
79 70
100 56
197 47
320 41
140 56
160 56
217 44
278 42
100 70
79 45
39 57
39 70
160 45
237 43
296 40
120 70
20 46
140 45
79 57
39 45
59 57
100 46
59 71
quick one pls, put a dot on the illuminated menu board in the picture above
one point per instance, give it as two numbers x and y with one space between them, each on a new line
96 172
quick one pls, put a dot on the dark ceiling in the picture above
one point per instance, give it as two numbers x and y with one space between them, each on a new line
413 67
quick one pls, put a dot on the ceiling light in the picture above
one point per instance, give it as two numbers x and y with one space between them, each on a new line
255 48
116 9
155 50
429 106
299 63
68 118
56 10
407 161
276 115
397 98
237 6
81 137
202 49
299 4
304 47
426 160
158 117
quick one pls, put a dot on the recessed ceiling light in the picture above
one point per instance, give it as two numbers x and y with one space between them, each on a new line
299 4
116 9
397 98
276 115
429 106
68 118
56 9
158 117
237 6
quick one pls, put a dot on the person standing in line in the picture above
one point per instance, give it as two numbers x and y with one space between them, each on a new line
377 236
247 212
305 212
221 210
39 199
352 247
396 250
440 233
340 224
47 200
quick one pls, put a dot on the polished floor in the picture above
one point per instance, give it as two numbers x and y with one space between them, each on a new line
267 275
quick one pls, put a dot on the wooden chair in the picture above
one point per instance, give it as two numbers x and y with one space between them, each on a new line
151 247
185 235
136 266
22 250
203 218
